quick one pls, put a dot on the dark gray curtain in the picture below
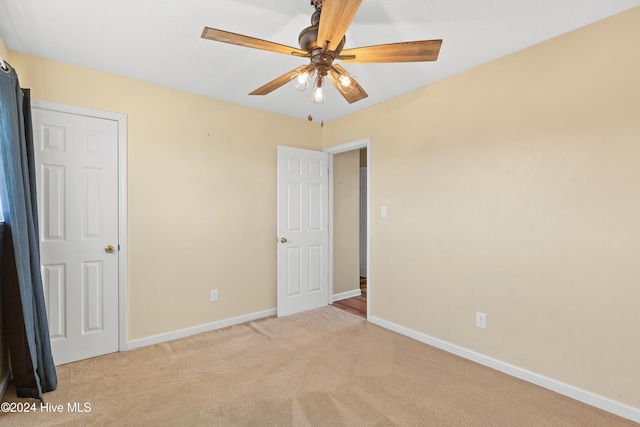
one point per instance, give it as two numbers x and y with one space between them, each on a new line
24 310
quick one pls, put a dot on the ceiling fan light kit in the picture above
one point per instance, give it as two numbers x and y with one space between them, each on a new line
345 82
323 43
318 93
301 78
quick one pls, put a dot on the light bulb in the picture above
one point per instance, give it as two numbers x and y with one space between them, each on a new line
301 79
317 95
345 80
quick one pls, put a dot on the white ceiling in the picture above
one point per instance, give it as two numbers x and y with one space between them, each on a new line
158 41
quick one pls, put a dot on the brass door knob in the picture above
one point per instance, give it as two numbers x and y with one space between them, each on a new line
283 240
109 249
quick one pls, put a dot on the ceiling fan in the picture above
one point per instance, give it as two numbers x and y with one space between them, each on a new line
323 43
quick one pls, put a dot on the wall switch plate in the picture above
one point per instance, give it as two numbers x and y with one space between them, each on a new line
213 296
383 211
481 320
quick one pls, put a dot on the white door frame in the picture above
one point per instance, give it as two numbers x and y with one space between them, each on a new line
121 119
349 146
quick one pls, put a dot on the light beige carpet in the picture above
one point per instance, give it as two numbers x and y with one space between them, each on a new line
320 368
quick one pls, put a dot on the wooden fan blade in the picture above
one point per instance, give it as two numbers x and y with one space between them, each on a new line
355 94
276 83
246 41
335 18
423 50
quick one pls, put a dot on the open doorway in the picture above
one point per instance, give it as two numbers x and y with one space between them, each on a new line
349 233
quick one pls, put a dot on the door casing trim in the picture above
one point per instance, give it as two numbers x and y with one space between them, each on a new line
359 144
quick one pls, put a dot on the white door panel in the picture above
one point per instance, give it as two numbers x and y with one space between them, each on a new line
77 180
302 230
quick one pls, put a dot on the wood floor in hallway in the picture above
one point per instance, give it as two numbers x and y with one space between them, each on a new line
356 305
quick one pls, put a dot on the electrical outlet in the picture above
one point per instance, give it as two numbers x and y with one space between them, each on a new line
481 320
213 296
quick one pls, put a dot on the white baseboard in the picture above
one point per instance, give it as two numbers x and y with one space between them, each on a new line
345 295
604 403
5 383
183 333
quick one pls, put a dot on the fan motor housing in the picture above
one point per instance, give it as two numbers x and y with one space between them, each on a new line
308 38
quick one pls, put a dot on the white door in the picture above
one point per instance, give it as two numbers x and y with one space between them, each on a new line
77 181
303 184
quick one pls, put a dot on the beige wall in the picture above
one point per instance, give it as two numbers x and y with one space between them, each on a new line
4 52
363 157
346 222
513 190
201 193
